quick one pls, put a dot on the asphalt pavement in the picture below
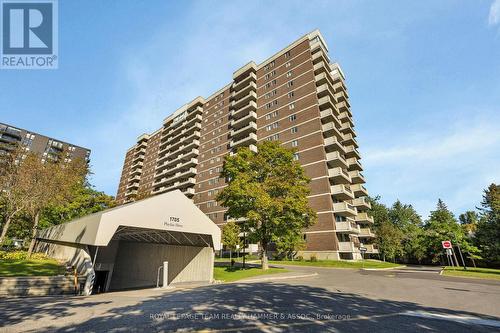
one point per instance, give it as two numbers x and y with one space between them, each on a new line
412 299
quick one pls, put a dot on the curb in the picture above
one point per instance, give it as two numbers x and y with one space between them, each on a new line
381 269
276 278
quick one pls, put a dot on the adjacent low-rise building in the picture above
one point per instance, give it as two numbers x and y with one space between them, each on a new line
298 97
47 147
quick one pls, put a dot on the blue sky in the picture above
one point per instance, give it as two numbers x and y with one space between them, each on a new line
423 78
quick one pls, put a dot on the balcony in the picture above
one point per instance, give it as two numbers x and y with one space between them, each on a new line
347 226
193 162
243 82
179 185
357 177
250 139
327 102
324 90
329 129
341 192
341 96
320 55
359 190
366 233
339 176
335 159
193 153
244 110
137 165
344 209
347 247
244 131
136 171
352 152
362 203
346 128
349 139
134 178
251 86
245 99
133 185
344 107
353 164
371 248
321 68
129 193
243 121
179 175
364 218
345 117
333 144
328 116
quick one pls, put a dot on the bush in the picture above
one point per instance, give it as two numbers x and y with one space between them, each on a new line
300 258
313 258
21 255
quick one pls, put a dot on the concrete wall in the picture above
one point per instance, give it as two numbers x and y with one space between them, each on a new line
72 254
136 264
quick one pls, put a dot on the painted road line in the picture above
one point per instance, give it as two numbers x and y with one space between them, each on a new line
471 320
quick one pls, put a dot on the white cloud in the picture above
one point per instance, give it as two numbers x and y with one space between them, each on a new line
454 164
494 17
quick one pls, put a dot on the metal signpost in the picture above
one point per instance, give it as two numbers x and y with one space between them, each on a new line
363 251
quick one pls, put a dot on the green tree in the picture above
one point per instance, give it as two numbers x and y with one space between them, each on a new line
487 236
288 245
405 219
84 201
231 236
269 189
388 237
52 183
469 221
441 226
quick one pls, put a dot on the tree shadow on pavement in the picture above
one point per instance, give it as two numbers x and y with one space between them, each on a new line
270 307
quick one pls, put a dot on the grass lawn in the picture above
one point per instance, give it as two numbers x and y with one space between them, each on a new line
228 274
481 273
33 267
369 263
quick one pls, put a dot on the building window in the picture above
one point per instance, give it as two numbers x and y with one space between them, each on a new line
290 94
289 74
294 130
293 117
287 54
295 143
288 64
296 156
291 106
289 84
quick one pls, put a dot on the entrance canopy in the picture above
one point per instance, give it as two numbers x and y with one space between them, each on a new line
168 218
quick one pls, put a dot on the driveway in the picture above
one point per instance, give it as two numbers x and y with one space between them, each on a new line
334 300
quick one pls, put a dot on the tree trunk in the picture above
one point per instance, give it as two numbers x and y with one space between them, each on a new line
33 234
265 264
5 229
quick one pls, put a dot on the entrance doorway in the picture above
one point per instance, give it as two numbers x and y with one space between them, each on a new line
101 278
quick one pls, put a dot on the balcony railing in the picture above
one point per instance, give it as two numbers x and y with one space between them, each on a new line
354 164
347 226
339 175
348 247
362 203
366 232
251 96
243 121
243 82
329 129
351 151
359 190
244 110
349 139
250 139
341 192
335 159
363 217
333 144
251 127
251 86
344 209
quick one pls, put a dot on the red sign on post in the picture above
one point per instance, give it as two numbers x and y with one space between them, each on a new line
446 244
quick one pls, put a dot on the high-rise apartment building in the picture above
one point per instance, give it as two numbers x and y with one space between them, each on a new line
297 97
48 148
